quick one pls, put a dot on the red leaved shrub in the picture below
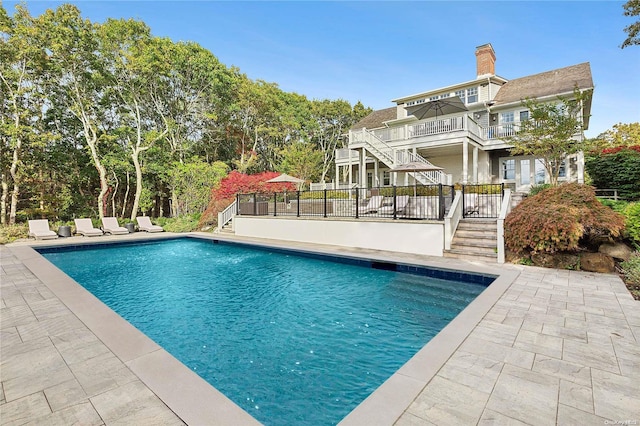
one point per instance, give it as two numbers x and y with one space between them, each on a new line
224 193
558 218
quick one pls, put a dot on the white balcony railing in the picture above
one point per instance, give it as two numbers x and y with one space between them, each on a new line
436 127
499 131
343 154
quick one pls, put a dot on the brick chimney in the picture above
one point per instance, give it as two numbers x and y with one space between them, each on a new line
485 60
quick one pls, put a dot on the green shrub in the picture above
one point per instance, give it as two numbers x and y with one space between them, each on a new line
10 233
617 168
631 269
558 218
632 222
616 206
186 223
318 195
538 188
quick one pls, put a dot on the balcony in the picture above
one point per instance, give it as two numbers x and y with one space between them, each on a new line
438 128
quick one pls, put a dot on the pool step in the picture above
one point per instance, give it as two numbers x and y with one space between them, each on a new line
475 239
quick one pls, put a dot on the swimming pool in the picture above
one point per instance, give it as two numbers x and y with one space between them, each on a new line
286 337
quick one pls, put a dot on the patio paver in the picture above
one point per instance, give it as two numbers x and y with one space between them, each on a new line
558 347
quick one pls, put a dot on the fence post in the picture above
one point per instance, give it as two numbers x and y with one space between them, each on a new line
325 202
394 203
255 204
357 203
275 203
298 205
238 204
464 207
440 203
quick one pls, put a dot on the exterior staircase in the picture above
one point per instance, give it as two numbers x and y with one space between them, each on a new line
475 239
386 154
227 228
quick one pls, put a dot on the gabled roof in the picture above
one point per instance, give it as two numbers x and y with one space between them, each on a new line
550 83
376 119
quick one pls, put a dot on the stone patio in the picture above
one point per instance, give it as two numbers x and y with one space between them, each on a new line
553 347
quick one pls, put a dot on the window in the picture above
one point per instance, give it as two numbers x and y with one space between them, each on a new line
433 98
525 172
506 117
524 116
509 169
386 178
462 95
472 95
417 101
562 173
540 172
446 95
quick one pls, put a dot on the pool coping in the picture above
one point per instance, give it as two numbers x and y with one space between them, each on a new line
193 399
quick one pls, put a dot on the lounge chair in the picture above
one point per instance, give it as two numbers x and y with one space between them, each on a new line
110 226
85 228
144 224
374 204
39 229
401 203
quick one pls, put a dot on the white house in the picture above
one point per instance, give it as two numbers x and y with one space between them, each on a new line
465 138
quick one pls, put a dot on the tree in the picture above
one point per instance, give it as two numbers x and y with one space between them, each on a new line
301 160
553 131
22 71
632 8
192 182
77 80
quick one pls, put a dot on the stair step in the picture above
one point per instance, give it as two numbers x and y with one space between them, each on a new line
466 242
462 255
473 234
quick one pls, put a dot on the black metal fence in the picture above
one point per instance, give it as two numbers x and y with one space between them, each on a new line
482 201
424 202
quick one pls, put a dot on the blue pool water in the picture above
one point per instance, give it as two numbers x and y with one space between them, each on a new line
290 339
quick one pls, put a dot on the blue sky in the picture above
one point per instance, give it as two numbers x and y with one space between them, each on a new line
376 51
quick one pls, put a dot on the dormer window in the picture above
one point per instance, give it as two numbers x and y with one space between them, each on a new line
468 96
472 95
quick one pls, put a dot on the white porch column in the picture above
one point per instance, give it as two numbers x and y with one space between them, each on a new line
336 180
363 169
350 171
465 161
376 178
580 163
475 165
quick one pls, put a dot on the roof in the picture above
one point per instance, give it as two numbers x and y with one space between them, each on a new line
550 83
494 79
376 119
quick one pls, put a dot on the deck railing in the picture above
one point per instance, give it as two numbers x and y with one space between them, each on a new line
421 202
227 214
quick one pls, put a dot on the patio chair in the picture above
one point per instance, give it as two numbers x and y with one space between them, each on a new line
144 224
401 203
110 226
374 204
85 228
39 229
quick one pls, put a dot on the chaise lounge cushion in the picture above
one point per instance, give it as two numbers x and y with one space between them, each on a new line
39 229
85 227
144 224
110 226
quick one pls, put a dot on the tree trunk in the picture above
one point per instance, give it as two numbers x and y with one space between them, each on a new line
3 200
126 196
16 184
175 211
115 191
135 153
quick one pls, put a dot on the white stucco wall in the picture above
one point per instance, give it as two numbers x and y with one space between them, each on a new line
407 237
